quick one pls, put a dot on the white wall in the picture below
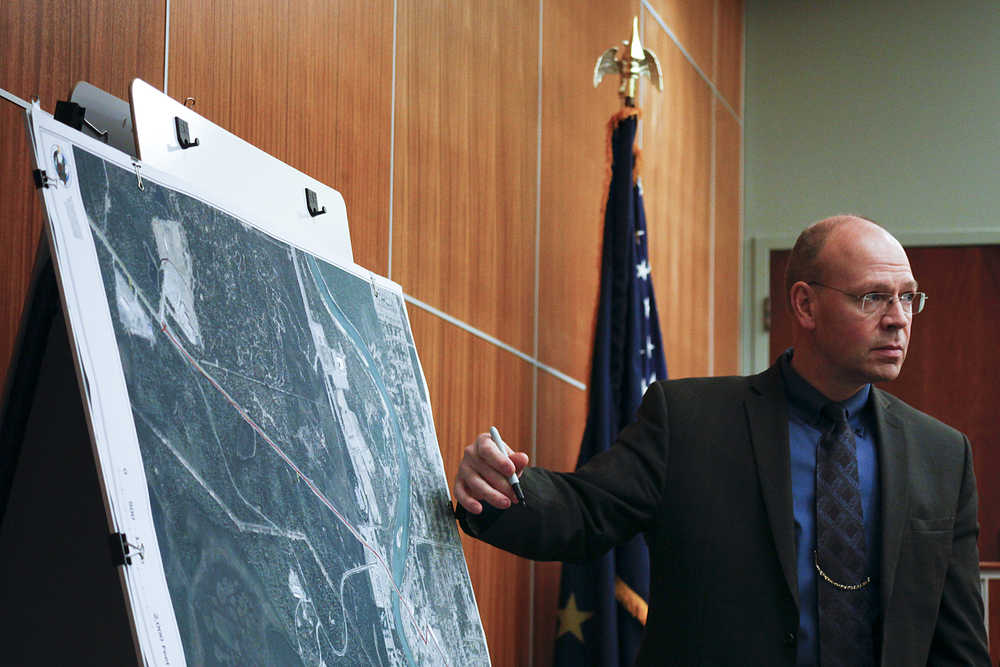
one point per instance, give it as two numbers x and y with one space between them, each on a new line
890 109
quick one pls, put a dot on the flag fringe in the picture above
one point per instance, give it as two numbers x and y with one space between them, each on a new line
631 600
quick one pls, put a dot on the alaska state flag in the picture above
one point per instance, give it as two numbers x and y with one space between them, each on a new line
602 604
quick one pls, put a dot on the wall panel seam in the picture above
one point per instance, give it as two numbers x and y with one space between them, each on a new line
746 292
741 187
538 197
712 193
13 99
495 341
535 342
643 94
708 81
716 67
166 45
392 134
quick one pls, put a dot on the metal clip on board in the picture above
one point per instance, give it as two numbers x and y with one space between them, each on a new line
75 116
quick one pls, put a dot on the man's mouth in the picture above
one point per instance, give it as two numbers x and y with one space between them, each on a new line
892 351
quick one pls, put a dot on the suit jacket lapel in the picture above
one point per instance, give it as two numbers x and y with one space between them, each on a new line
894 492
767 414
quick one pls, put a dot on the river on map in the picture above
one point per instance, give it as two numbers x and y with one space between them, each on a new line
401 540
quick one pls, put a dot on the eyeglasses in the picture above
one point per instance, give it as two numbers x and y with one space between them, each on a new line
880 302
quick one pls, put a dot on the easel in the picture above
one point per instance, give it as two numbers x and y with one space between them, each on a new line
63 599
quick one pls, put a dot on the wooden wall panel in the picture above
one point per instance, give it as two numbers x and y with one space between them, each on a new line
693 23
49 45
309 82
340 111
728 243
473 385
728 75
45 48
202 45
676 177
562 410
20 228
258 101
574 174
465 161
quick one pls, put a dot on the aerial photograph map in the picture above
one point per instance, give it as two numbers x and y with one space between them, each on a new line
296 485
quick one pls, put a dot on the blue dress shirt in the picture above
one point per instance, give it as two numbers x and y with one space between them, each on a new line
805 428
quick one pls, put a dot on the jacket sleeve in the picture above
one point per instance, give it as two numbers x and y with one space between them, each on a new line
960 632
580 515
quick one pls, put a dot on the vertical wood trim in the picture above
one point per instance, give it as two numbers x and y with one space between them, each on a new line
712 208
392 134
531 564
743 81
538 195
741 263
535 313
716 66
643 89
711 242
166 45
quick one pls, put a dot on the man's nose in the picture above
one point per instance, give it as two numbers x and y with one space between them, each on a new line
895 317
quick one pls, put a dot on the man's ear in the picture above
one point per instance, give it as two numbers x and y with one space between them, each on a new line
803 304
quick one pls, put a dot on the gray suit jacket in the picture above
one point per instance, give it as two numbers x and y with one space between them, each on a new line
704 471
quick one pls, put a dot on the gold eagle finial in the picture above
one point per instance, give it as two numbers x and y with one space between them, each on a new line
638 61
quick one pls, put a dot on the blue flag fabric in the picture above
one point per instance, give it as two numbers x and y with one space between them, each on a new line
602 604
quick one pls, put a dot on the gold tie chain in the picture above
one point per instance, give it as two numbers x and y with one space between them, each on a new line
837 584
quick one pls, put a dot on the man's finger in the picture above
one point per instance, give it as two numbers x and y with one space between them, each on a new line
494 478
490 453
472 505
480 489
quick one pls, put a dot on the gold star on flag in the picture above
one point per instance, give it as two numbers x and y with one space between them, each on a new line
572 619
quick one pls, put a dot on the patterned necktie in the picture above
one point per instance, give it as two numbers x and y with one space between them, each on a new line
845 629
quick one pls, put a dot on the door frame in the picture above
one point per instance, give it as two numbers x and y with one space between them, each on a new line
755 350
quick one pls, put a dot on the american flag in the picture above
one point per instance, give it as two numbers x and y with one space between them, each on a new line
602 604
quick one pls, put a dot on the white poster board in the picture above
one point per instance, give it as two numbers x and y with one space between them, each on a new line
261 425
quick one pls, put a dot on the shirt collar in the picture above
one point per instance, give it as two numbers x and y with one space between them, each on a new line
809 401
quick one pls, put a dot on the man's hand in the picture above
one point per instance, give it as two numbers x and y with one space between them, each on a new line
483 474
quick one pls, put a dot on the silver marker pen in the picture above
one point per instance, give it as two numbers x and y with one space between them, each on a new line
507 451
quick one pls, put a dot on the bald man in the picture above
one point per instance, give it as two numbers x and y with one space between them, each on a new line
796 517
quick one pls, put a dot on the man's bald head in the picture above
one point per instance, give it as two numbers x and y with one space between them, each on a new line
804 262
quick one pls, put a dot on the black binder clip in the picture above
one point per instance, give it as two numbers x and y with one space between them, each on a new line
75 116
70 113
183 134
121 550
42 179
313 205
